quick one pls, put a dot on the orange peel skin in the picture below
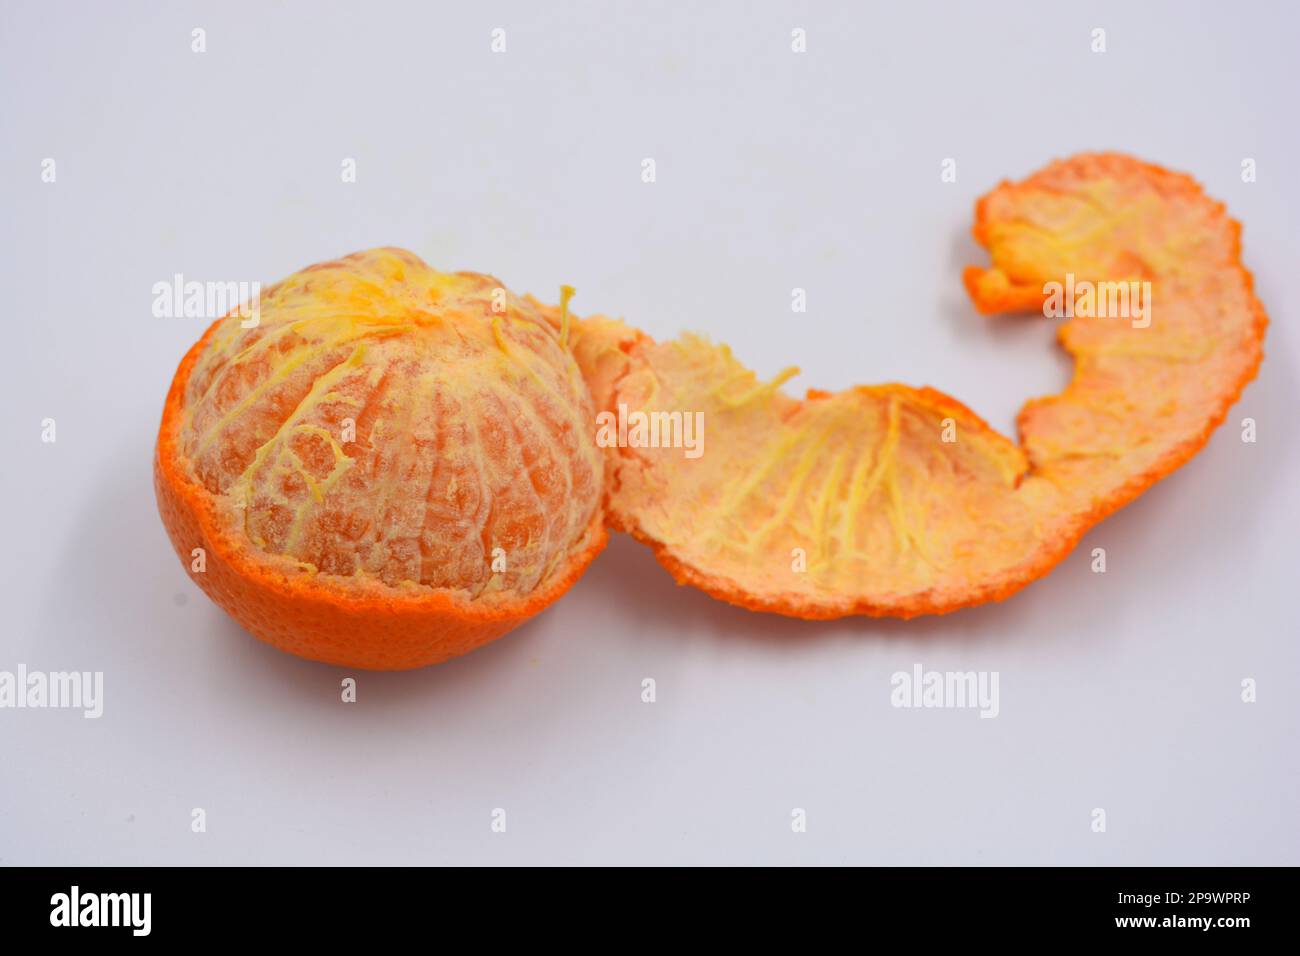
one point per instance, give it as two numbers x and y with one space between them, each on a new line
390 468
893 501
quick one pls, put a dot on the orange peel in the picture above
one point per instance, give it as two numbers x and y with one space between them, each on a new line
391 467
890 500
343 475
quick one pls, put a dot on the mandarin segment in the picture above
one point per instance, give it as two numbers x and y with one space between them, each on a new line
384 436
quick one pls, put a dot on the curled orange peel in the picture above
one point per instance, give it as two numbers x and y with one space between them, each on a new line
895 501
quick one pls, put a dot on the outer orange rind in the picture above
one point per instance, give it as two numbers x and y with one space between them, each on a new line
890 500
392 467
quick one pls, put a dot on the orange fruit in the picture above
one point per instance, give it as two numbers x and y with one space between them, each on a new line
396 465
890 500
393 466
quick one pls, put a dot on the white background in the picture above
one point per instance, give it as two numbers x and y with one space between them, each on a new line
775 170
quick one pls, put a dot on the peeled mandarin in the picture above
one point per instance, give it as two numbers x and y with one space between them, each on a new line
391 466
